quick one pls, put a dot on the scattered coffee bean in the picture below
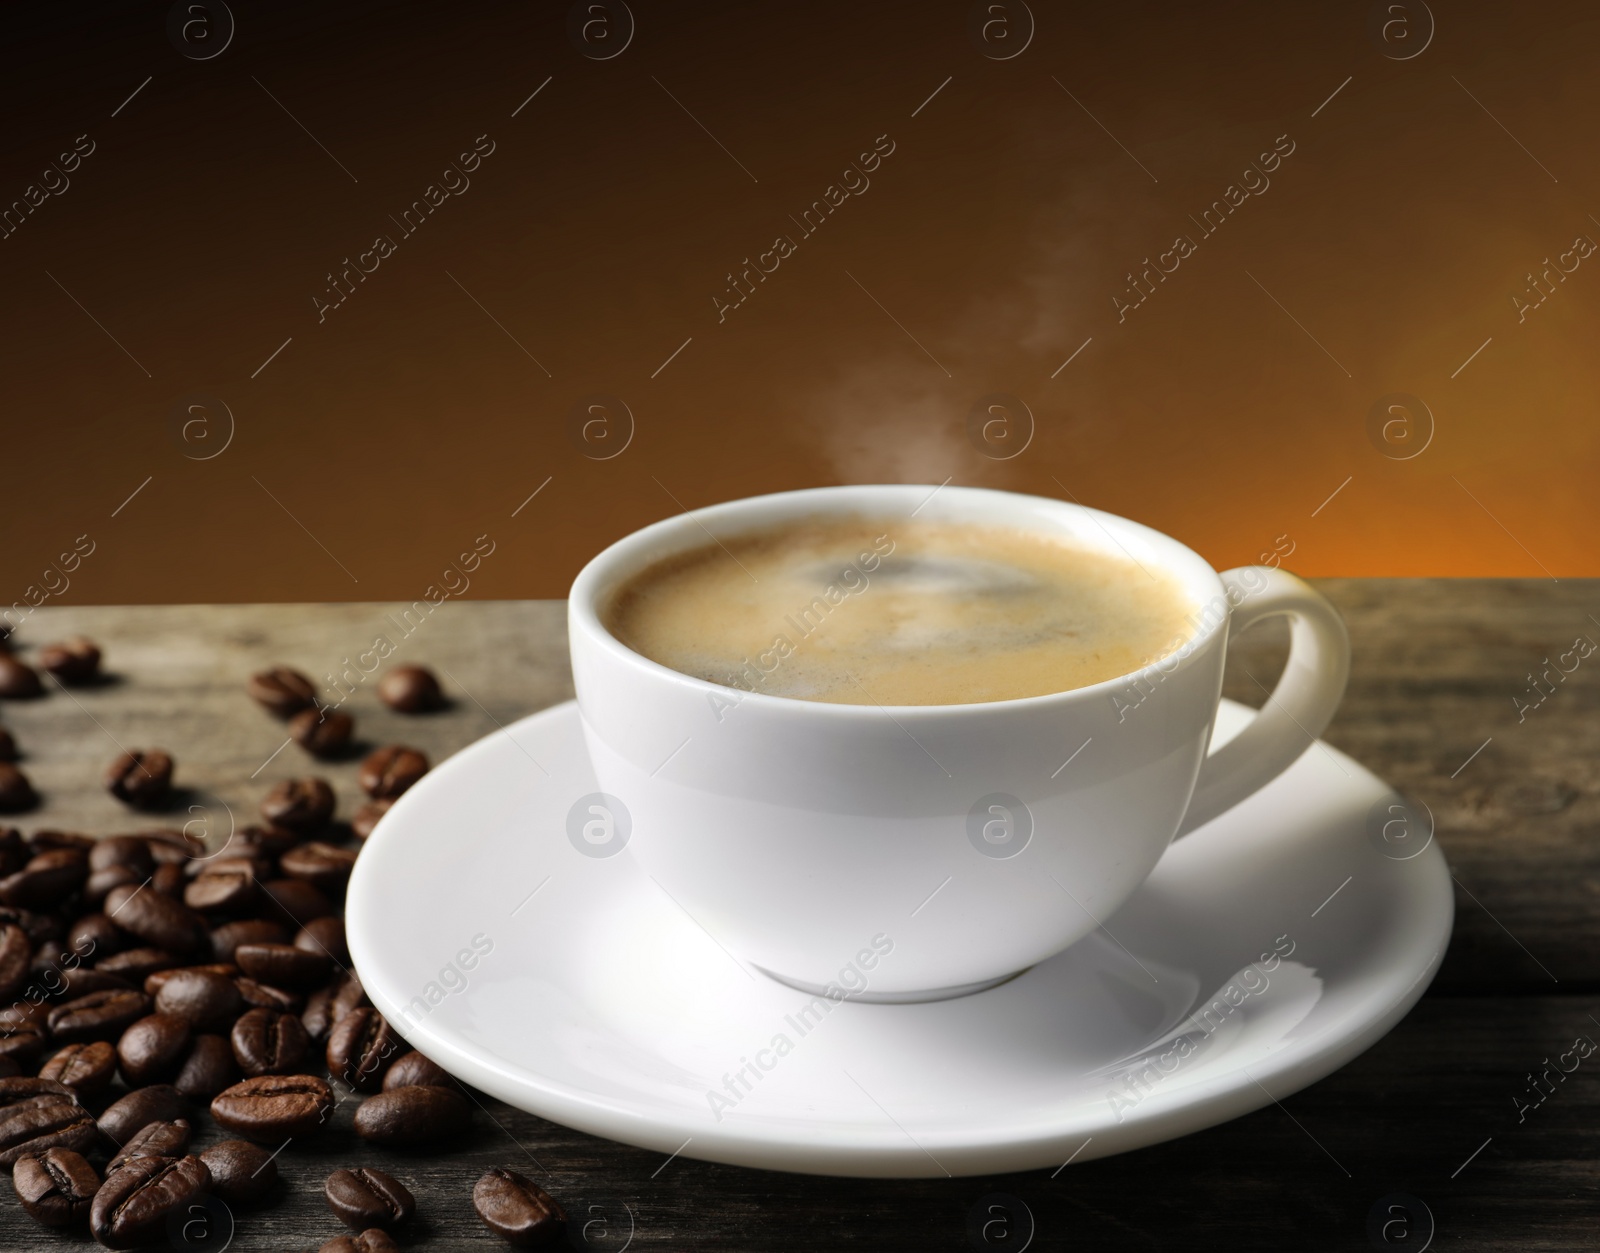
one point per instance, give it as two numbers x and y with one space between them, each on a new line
55 1187
72 661
281 691
44 841
158 920
169 880
266 1042
258 995
18 681
8 746
209 1068
16 790
297 899
402 1117
168 845
241 1172
301 805
85 1068
322 733
94 935
16 956
389 771
410 690
283 965
413 1070
141 778
154 983
45 1122
227 938
366 819
258 841
324 935
135 965
271 1108
518 1210
46 880
153 1049
127 1117
317 1017
325 866
360 1048
98 1016
374 1241
221 890
365 1197
159 1139
205 999
133 1204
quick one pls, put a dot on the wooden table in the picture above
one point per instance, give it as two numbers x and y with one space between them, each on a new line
1437 664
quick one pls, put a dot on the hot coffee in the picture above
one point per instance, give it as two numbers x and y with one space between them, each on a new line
896 611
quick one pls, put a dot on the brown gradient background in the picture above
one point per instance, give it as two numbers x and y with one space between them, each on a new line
377 445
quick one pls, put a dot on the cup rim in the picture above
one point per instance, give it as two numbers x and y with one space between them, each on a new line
638 549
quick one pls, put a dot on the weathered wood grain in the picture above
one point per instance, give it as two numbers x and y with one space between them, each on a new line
1436 665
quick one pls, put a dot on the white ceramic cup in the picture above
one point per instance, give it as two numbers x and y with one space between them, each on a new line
915 852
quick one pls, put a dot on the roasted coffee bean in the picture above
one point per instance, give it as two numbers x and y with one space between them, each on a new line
266 1042
272 1107
296 899
360 1048
16 791
257 841
44 841
207 1001
324 866
78 982
154 983
94 935
282 965
169 880
325 935
45 1122
227 938
258 995
47 879
98 1016
410 689
122 850
322 733
21 1044
18 680
168 845
317 1017
374 1241
302 805
16 957
55 1187
152 1049
389 771
22 1089
158 920
241 1172
159 1139
410 1116
348 994
209 1068
413 1070
518 1210
135 965
141 778
366 818
14 851
125 1118
134 1203
76 660
8 746
85 1068
100 882
366 1197
281 691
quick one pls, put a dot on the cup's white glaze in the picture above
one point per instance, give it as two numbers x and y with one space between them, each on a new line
803 835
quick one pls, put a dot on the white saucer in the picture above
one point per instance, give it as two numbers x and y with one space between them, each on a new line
593 1000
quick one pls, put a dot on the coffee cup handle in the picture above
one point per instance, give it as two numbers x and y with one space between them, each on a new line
1299 708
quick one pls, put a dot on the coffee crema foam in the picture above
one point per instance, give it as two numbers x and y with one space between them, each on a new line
897 611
